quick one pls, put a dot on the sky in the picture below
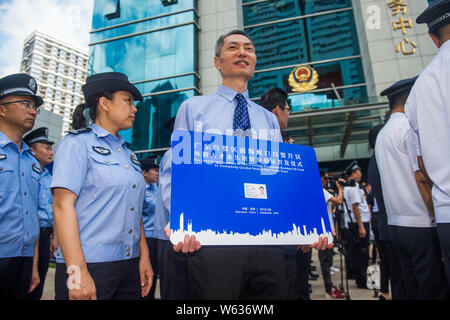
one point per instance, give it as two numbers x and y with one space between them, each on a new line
68 20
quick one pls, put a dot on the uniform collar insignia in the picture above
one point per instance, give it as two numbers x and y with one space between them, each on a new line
36 168
101 150
135 161
2 156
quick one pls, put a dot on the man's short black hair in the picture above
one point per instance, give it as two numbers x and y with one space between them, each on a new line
219 42
272 98
373 133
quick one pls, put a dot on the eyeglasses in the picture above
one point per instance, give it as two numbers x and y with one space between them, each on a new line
288 109
27 104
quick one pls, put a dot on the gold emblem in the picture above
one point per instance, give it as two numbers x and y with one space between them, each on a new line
303 79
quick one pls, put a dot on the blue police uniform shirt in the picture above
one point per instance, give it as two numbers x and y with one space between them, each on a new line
105 175
45 211
19 191
148 209
162 209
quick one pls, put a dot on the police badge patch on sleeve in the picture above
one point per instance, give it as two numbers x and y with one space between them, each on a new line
134 160
101 150
36 168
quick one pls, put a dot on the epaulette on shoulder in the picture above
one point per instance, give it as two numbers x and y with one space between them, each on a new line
78 131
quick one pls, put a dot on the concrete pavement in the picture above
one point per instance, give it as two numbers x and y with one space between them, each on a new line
318 289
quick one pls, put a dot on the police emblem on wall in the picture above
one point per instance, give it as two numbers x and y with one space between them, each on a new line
303 79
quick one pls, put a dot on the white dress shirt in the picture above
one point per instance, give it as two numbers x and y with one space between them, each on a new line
428 112
395 159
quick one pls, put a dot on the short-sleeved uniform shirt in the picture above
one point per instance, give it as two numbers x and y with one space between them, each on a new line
148 210
356 195
397 163
45 211
428 112
106 176
20 176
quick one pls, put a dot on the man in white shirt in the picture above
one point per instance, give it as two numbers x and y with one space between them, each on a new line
358 222
428 112
411 225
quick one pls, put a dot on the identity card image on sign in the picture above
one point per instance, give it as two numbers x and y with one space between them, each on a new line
229 190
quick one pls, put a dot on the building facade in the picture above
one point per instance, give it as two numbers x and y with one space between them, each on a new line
357 47
53 122
60 70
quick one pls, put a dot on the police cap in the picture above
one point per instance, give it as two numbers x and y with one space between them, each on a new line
149 163
19 84
109 81
399 89
352 167
436 15
37 135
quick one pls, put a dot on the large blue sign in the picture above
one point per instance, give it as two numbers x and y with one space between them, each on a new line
229 190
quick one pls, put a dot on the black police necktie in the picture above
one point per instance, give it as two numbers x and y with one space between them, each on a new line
241 120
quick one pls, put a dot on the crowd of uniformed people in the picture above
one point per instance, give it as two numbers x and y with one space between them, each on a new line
105 214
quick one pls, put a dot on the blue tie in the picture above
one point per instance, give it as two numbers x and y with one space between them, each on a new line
241 120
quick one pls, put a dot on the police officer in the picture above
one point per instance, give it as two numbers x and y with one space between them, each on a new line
389 264
358 213
41 148
428 112
98 194
411 225
150 170
19 188
173 270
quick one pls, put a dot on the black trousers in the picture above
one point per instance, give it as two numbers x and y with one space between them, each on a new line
43 261
152 249
381 245
231 273
444 240
347 238
398 286
303 267
15 277
291 263
421 262
326 261
173 272
358 249
115 280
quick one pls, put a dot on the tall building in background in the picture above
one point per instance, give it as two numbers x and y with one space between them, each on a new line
60 70
358 48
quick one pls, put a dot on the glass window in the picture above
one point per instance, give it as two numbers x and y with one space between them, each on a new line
317 38
287 40
133 10
160 54
281 9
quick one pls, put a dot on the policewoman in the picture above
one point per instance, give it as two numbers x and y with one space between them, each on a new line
19 188
98 193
